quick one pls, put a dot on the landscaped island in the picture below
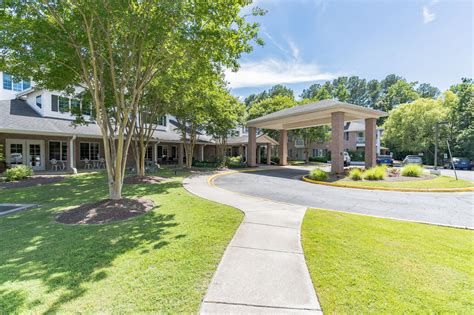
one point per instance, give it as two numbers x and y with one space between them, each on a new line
157 262
409 177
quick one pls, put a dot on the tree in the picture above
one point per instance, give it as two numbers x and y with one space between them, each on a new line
399 93
341 93
410 127
280 90
268 106
114 49
425 90
461 118
311 92
225 112
310 135
357 88
373 93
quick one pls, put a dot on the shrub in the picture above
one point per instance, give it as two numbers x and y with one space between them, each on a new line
412 170
320 159
318 174
375 173
355 174
18 173
234 162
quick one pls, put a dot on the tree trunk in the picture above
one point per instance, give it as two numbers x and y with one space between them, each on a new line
115 190
306 152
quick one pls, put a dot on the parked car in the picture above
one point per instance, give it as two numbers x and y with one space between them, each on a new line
347 159
385 159
412 159
459 163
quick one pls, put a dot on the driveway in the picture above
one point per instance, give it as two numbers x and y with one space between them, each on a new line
283 185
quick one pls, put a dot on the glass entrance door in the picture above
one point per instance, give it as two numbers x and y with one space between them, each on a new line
34 155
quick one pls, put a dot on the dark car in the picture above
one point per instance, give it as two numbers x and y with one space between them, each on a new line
384 159
459 163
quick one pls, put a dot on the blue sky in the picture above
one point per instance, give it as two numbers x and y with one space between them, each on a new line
309 41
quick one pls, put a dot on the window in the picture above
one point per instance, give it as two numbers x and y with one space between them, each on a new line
58 150
162 151
89 150
346 136
16 154
149 153
11 83
38 101
75 106
86 108
361 134
174 152
63 104
7 81
54 103
162 121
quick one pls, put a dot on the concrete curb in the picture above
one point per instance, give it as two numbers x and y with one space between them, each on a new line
467 189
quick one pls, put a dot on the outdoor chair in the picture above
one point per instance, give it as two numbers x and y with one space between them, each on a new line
87 164
54 165
101 163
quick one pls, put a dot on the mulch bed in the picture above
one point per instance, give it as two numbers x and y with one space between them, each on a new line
36 180
105 211
144 179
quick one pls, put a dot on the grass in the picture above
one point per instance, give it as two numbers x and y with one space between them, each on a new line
438 182
366 265
160 262
412 170
375 173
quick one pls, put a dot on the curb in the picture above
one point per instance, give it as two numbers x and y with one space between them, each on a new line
467 189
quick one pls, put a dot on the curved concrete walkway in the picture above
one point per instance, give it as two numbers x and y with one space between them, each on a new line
263 269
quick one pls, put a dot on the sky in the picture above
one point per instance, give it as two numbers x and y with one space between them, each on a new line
312 41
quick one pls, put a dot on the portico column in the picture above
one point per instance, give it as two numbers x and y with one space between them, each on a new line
259 158
337 142
252 147
180 154
269 153
72 155
283 147
202 152
370 141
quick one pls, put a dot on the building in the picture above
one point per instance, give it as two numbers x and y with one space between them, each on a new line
37 128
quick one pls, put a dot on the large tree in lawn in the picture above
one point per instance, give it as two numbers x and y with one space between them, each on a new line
111 48
114 49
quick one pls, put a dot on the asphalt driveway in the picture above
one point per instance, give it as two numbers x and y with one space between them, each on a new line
452 209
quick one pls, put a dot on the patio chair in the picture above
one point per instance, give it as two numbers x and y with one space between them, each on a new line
54 165
101 163
87 164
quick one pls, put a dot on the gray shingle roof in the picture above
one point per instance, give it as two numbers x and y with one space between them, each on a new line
16 116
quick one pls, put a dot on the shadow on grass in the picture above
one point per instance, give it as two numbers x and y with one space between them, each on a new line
65 257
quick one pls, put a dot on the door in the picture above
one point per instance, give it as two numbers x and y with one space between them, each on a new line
25 152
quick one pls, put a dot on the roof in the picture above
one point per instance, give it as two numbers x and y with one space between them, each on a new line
262 139
358 125
313 114
18 117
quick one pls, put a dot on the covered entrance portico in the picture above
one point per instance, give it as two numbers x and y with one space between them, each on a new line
326 112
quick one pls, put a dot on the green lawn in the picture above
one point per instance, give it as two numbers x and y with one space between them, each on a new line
158 262
438 182
364 265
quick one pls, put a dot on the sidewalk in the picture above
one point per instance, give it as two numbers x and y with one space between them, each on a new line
263 269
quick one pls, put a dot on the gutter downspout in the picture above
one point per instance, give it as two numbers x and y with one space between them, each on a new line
72 160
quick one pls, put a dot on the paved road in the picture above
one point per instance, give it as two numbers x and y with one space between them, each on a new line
462 174
453 209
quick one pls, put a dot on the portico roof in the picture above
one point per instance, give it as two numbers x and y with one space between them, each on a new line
313 114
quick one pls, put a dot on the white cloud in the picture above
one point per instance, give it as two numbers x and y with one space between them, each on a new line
295 51
428 16
274 71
